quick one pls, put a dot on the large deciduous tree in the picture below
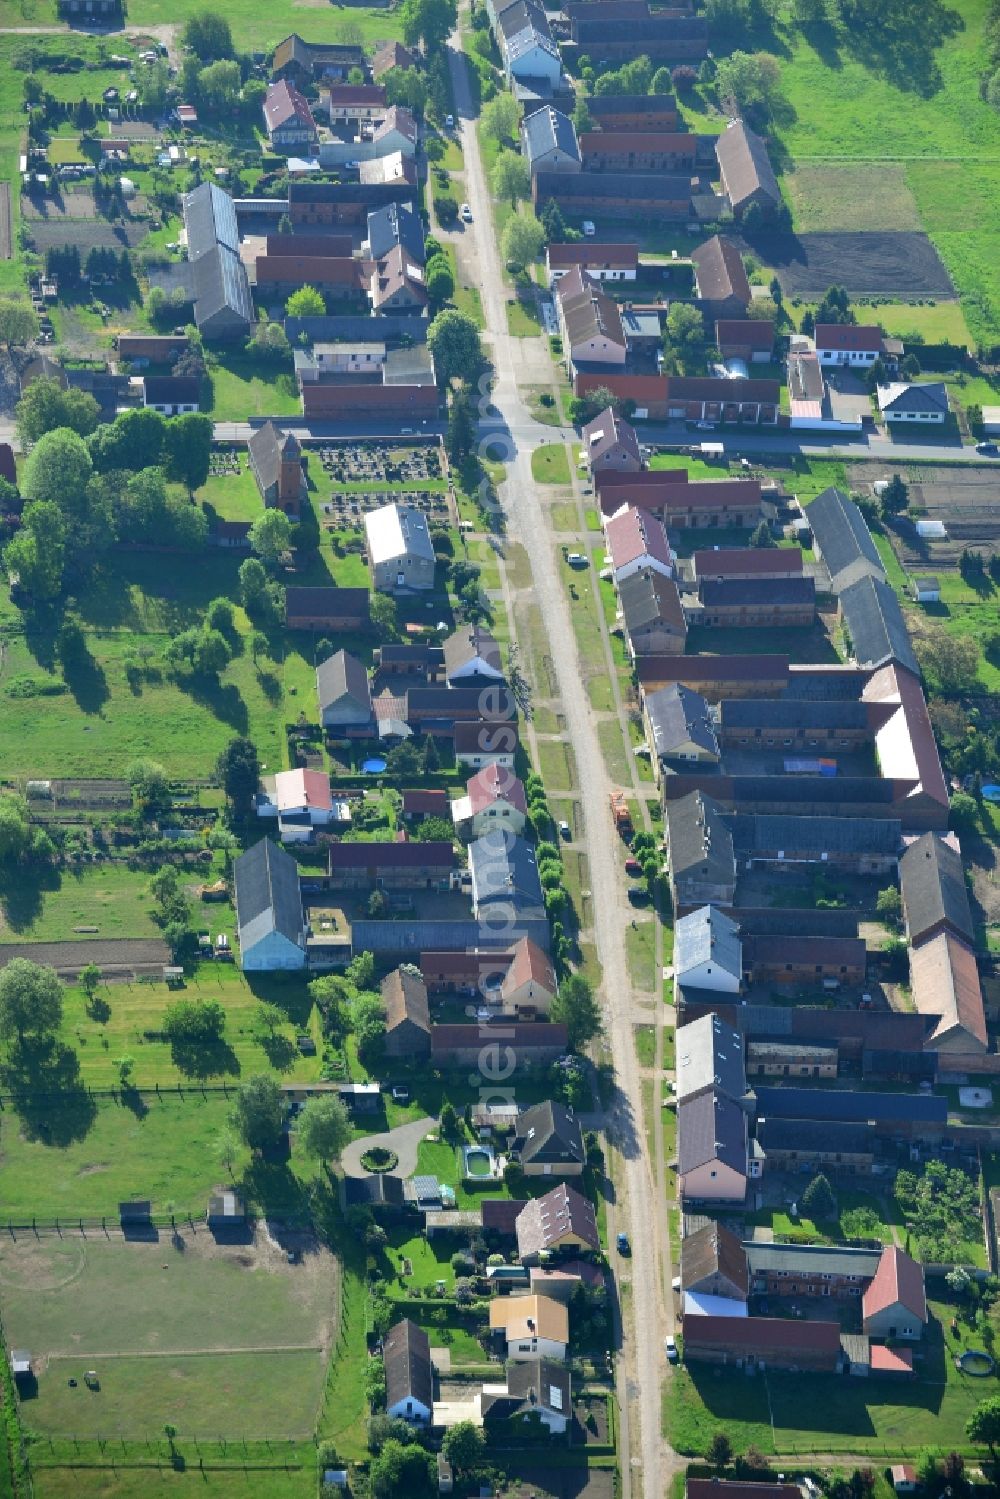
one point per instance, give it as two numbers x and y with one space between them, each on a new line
31 999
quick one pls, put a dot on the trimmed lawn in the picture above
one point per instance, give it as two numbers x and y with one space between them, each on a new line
48 907
233 496
939 322
640 947
77 1482
522 319
549 464
430 1261
240 391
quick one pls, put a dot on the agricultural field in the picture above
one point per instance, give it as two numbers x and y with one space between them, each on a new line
222 1340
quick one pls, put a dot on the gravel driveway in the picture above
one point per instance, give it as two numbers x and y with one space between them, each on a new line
404 1140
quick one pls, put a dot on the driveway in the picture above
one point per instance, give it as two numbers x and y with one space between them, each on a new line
404 1140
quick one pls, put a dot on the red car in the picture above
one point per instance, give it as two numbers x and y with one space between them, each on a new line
632 866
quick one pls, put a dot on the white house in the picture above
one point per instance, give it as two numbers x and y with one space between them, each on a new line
926 404
269 918
848 344
708 953
531 1326
400 551
531 54
637 543
301 800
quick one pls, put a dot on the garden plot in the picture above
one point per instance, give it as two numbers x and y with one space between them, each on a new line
219 1339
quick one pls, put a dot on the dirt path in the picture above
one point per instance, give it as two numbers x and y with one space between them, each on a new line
518 433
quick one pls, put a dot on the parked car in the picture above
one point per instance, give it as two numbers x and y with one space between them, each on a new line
638 895
449 122
465 214
576 559
670 1347
988 449
589 228
632 866
622 1244
565 830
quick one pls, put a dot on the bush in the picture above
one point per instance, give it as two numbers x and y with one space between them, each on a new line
446 207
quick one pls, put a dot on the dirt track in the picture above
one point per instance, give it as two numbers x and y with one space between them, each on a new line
122 957
6 236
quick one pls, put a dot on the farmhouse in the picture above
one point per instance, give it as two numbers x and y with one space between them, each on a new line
400 550
301 800
652 614
409 1376
562 1219
857 845
720 563
655 197
142 350
344 693
779 1269
894 1305
344 102
809 961
679 727
590 321
769 603
679 504
548 1141
523 1043
269 917
389 55
276 463
407 1015
745 169
944 983
637 151
302 61
530 1326
488 742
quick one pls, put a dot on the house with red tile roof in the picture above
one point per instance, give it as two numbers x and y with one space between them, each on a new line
494 798
530 984
895 1304
855 345
637 543
288 118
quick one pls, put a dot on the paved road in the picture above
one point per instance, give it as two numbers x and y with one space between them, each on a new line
404 1140
527 522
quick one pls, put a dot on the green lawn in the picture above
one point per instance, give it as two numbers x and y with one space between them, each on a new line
789 1413
239 390
522 318
209 1395
549 464
75 1481
263 29
429 1262
233 496
48 907
940 322
640 939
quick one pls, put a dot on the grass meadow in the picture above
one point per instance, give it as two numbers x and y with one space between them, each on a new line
927 138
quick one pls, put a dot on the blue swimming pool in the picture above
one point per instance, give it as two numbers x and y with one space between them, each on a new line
374 766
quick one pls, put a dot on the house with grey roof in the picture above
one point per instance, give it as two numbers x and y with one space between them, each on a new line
344 692
549 143
407 1014
269 919
400 550
745 169
652 614
471 655
548 1141
223 306
708 953
680 727
505 879
537 1389
873 620
610 442
392 225
713 1161
409 1375
710 1058
700 853
562 1220
860 845
714 1263
910 404
842 539
935 898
